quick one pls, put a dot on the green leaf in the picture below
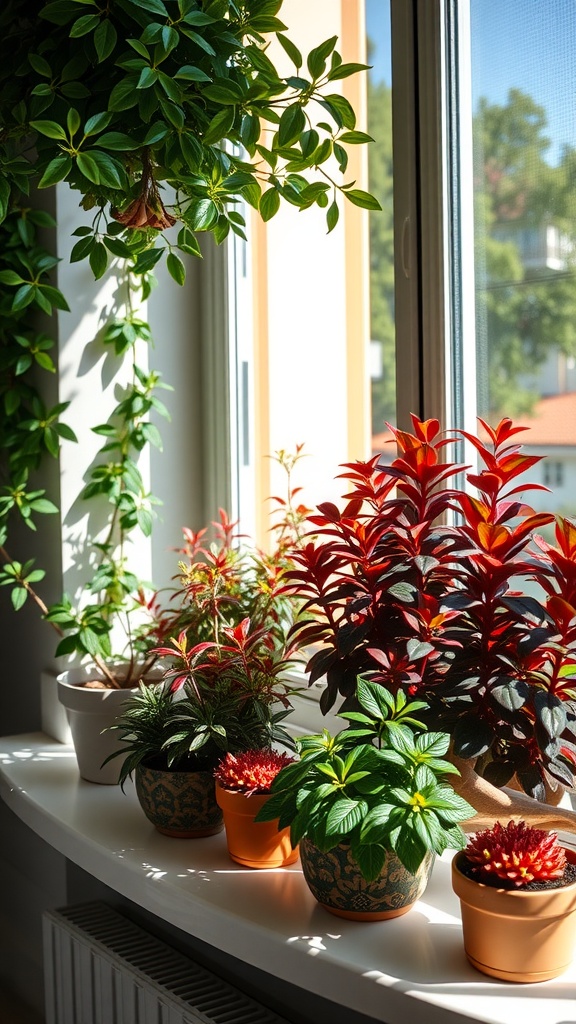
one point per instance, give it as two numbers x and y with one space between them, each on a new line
18 597
96 123
345 815
109 170
72 121
87 23
105 38
362 199
219 126
117 141
124 95
82 249
332 216
292 50
269 204
10 277
316 61
98 259
292 124
55 297
50 128
345 70
154 6
148 76
88 167
4 198
355 138
192 74
176 268
23 297
40 65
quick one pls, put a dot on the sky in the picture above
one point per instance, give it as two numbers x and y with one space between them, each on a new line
541 36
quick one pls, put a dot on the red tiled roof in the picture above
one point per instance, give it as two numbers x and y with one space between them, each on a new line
553 423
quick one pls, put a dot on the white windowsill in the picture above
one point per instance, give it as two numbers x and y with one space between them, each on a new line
412 968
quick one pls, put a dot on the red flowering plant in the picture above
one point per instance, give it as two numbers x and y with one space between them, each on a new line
251 771
426 582
514 855
225 649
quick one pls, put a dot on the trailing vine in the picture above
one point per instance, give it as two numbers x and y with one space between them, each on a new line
169 118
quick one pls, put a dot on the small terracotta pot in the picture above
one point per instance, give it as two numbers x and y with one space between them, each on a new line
336 881
254 844
179 804
513 934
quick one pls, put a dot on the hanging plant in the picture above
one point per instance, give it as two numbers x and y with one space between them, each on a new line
171 112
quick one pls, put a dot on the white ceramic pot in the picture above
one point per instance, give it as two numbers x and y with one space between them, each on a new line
90 713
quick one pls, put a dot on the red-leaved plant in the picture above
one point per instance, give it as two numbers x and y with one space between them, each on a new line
420 581
251 771
516 854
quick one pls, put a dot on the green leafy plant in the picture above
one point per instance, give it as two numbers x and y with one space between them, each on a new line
218 697
378 785
513 855
171 112
144 727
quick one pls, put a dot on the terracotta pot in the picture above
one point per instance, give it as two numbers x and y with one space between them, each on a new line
516 935
335 880
179 804
254 844
90 714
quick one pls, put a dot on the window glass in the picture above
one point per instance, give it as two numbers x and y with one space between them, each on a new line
523 87
382 336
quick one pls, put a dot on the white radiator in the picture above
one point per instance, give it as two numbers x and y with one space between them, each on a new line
100 968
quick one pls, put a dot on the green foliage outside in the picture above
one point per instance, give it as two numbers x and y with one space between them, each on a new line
523 312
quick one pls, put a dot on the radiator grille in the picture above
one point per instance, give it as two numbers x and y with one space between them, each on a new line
101 968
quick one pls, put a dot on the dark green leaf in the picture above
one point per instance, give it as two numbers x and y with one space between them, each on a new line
192 74
176 268
105 38
269 204
98 260
292 124
292 50
362 199
154 6
88 167
87 23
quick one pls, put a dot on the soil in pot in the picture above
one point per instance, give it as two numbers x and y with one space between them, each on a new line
179 803
517 935
335 880
253 844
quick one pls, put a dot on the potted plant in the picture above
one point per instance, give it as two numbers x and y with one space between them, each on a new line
370 807
218 696
517 891
243 784
423 582
175 789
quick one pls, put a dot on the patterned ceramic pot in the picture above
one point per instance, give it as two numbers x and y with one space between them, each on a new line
335 880
180 804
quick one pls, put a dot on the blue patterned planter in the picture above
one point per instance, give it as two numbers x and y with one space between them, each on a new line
180 804
335 880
